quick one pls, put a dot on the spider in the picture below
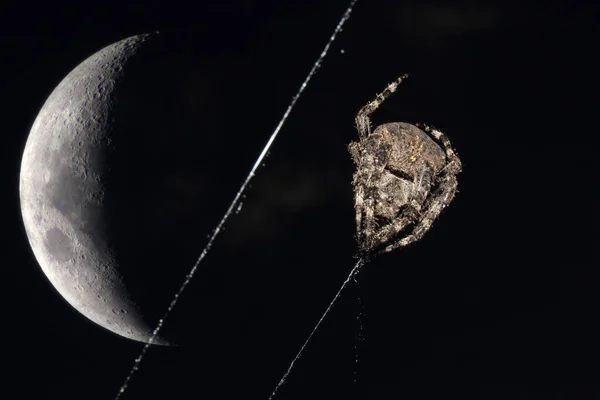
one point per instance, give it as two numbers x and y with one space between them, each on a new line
405 177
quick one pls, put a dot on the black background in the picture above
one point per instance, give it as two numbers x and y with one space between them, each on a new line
498 301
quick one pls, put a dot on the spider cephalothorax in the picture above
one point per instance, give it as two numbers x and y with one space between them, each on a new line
405 176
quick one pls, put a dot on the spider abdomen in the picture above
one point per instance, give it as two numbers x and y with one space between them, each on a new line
411 149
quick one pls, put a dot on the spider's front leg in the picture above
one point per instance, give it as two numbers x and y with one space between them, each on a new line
453 164
359 207
440 197
363 122
388 233
363 203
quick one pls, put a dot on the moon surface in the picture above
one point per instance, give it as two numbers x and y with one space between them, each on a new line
65 190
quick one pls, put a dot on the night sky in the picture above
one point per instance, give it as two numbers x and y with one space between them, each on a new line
499 300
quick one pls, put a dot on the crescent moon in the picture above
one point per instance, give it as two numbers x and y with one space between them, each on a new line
62 192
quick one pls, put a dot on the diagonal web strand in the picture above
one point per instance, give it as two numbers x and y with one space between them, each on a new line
236 200
351 276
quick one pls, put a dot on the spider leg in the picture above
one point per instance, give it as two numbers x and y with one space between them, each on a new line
387 233
368 226
359 206
365 217
441 196
453 164
363 122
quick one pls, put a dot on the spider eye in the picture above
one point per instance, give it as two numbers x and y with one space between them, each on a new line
399 173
